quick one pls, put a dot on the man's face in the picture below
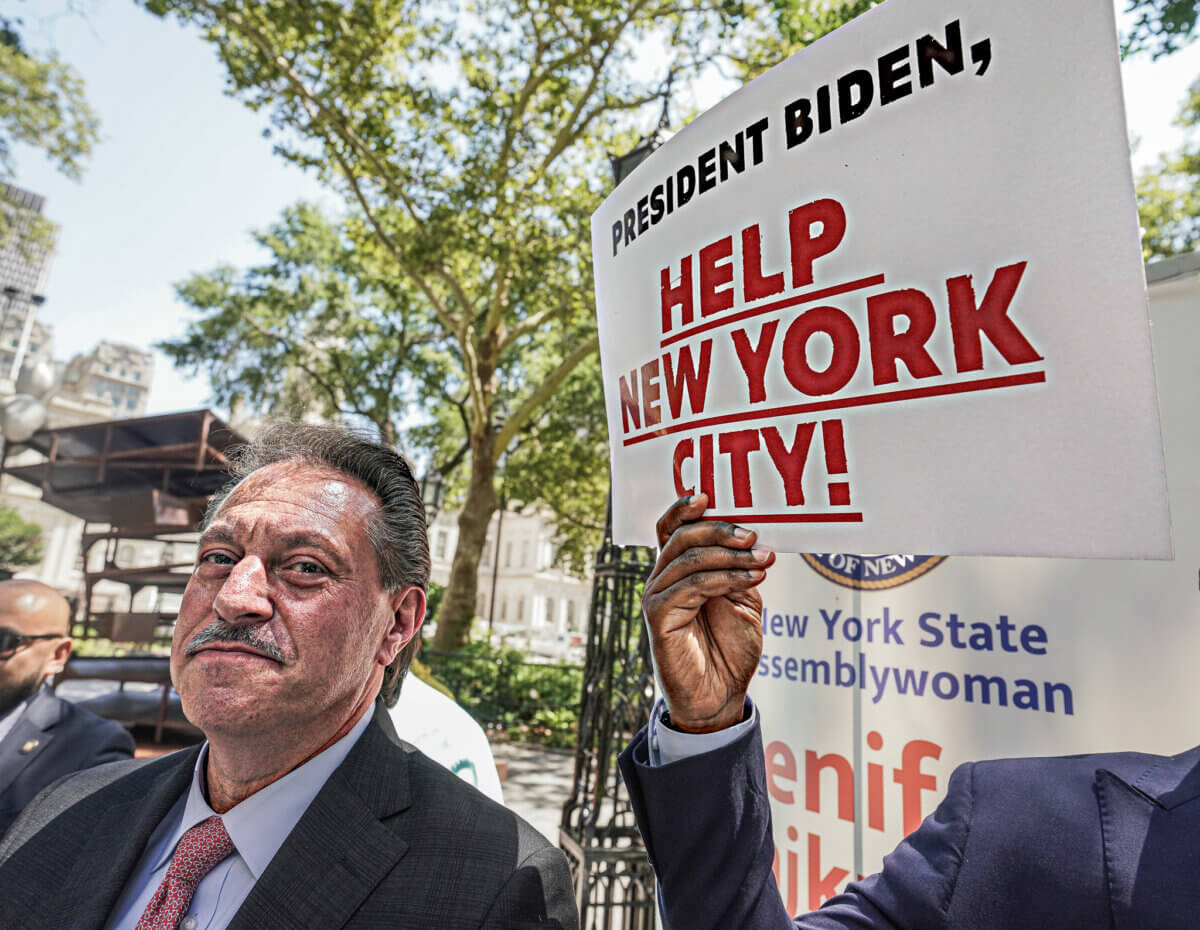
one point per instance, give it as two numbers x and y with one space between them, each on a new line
30 611
285 622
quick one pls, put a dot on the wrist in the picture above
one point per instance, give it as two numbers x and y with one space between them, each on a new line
722 720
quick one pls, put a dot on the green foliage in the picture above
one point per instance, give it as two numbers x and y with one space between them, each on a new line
1160 26
20 540
1168 200
42 105
470 145
502 691
321 327
774 29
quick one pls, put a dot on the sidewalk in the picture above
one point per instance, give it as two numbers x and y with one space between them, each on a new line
538 783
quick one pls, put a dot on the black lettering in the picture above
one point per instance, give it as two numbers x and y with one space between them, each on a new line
754 132
733 156
949 56
894 71
657 207
685 182
848 108
707 165
797 121
643 215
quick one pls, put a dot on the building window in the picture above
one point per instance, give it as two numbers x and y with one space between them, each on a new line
131 404
524 553
486 558
137 376
440 549
504 609
570 615
508 555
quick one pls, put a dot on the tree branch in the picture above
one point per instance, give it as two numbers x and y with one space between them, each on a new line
543 391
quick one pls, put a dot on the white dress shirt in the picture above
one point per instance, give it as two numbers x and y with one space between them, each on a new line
9 720
667 745
258 826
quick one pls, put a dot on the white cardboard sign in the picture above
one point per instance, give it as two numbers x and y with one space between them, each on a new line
889 297
881 674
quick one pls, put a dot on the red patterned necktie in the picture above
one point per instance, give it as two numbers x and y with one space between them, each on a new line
200 849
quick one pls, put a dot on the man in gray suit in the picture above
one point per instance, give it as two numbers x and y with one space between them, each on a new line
302 809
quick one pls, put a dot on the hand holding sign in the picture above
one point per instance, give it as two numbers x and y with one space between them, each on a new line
705 615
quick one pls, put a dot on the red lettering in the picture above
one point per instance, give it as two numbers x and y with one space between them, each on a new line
807 248
813 766
967 320
821 889
784 768
695 379
841 330
651 393
683 452
755 284
889 347
678 296
790 462
738 445
754 358
913 781
707 482
631 410
716 270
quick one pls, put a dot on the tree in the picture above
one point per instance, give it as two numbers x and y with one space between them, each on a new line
42 105
20 540
1160 26
320 327
472 148
1168 201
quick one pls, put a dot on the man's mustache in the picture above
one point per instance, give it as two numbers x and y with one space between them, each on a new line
221 632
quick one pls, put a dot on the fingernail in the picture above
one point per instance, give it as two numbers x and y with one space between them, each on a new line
760 554
756 574
740 532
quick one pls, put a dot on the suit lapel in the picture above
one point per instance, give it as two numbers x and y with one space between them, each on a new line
339 850
28 738
1150 826
109 853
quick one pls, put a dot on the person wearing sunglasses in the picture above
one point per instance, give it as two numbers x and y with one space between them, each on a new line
42 737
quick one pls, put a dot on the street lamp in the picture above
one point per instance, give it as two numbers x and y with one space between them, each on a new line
433 494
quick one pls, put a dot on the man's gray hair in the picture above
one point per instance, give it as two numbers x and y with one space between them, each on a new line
397 532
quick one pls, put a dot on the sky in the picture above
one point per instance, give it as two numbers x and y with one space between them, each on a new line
183 174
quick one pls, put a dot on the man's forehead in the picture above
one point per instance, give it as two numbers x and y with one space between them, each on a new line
320 488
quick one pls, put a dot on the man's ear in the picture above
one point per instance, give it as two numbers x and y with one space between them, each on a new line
58 658
408 613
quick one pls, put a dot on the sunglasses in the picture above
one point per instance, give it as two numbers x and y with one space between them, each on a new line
11 640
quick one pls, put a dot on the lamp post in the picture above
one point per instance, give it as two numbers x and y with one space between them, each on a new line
433 493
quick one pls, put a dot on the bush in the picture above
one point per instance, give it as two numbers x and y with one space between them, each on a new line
523 700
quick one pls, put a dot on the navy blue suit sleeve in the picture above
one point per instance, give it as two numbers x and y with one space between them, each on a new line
113 744
706 822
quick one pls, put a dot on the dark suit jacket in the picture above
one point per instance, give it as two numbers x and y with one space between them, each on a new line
1072 843
392 840
53 738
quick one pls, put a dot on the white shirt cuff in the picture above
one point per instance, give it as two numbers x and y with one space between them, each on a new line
667 745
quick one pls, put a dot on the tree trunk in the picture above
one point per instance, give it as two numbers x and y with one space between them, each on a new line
458 605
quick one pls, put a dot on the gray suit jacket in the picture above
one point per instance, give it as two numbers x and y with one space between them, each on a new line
392 840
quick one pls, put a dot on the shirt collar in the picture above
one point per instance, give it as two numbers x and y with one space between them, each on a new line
259 825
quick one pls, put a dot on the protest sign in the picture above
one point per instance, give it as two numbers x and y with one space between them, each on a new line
889 297
881 674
